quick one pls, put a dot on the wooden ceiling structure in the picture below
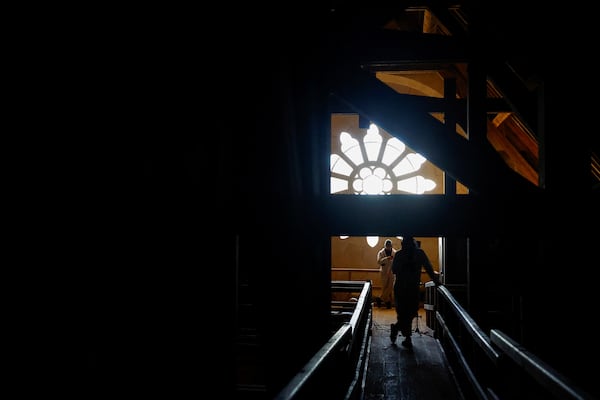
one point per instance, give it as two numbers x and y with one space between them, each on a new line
514 68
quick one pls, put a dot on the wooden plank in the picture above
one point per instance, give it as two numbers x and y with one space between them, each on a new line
398 373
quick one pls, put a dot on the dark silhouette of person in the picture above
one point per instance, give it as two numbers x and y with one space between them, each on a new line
406 267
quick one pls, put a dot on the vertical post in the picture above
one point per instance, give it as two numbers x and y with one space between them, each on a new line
450 124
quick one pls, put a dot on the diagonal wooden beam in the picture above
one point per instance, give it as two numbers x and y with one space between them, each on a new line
512 156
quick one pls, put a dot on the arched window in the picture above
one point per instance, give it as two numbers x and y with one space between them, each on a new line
376 163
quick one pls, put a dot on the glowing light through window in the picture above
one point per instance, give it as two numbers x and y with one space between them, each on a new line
387 169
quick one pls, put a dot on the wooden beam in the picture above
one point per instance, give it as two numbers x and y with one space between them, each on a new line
393 48
511 155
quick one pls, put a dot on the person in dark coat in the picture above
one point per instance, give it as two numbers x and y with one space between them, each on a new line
406 267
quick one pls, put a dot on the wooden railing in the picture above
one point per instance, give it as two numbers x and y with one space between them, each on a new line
338 369
486 367
491 366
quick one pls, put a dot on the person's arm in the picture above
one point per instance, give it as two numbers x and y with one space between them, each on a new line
381 257
429 268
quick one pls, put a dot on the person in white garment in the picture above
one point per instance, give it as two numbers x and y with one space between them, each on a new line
385 257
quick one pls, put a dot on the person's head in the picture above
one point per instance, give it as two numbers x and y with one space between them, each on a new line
408 241
388 244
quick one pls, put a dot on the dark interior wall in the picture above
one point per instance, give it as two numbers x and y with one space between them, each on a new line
161 312
502 274
289 255
220 155
561 306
